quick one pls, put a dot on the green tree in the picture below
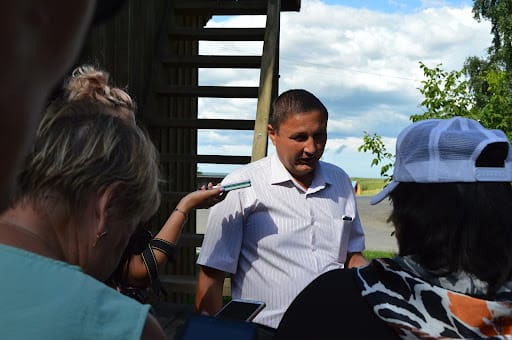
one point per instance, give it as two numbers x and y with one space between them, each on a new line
490 79
482 90
497 111
375 145
446 94
499 13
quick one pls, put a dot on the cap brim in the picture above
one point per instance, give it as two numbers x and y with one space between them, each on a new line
384 193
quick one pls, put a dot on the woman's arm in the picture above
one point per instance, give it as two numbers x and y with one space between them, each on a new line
204 198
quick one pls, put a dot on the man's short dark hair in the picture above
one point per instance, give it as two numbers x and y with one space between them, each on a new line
292 102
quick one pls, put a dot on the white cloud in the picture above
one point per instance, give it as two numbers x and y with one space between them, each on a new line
226 137
226 108
363 64
343 152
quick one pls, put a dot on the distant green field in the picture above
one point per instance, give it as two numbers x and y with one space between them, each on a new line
374 254
370 186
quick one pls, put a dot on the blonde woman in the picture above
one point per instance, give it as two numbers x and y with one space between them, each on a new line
89 180
137 272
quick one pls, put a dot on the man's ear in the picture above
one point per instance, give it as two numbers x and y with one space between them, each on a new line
272 133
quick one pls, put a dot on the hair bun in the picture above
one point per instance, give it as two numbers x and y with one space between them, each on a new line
87 82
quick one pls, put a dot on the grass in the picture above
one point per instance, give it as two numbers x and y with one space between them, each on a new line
370 186
373 254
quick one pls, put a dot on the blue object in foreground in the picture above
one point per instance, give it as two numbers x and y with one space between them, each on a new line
208 327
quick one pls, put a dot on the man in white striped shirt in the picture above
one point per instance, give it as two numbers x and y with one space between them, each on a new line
297 220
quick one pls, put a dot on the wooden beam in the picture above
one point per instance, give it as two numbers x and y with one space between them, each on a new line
211 61
191 240
268 81
218 124
217 34
188 283
208 159
231 7
209 91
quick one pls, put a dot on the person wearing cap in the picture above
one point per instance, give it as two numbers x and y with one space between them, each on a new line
297 220
451 200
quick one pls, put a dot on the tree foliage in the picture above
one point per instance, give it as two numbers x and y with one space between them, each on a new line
448 94
499 13
375 145
496 113
482 90
445 94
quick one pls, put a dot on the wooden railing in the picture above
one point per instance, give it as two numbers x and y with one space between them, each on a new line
266 92
268 86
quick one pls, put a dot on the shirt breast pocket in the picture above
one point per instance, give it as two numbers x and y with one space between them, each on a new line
344 228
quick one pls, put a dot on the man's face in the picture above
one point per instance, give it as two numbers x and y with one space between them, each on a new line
300 143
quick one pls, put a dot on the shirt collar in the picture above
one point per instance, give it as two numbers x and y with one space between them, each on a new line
279 174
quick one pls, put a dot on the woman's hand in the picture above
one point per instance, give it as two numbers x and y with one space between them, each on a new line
203 198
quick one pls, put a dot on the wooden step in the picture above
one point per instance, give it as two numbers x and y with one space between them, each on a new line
211 61
208 91
225 7
218 124
188 283
179 283
230 7
217 34
191 240
208 159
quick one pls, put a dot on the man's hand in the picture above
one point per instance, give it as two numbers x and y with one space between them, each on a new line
355 260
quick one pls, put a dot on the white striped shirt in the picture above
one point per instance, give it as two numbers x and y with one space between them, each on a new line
275 238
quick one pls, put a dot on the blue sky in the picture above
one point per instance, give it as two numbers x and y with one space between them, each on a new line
398 6
361 58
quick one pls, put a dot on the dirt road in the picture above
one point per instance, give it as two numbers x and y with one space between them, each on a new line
373 218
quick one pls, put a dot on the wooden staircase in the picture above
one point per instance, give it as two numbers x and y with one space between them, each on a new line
171 108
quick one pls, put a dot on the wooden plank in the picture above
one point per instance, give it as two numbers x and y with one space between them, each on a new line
290 5
188 283
191 240
208 91
217 34
172 196
209 7
231 7
209 159
179 283
218 124
211 61
268 81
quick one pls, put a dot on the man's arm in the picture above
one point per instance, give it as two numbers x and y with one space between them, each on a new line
355 260
209 290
